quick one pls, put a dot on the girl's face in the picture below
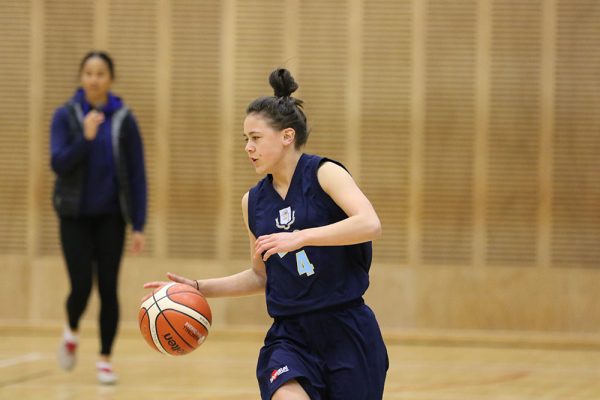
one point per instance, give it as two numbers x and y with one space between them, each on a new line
95 78
264 145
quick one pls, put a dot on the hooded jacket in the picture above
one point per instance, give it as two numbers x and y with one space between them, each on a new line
103 176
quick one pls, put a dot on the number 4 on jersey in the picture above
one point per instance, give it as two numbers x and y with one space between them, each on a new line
304 266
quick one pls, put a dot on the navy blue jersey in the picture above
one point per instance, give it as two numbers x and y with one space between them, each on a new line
313 277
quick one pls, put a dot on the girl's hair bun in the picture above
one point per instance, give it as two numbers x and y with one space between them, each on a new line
282 82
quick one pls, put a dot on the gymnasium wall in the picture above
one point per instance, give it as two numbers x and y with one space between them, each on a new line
473 127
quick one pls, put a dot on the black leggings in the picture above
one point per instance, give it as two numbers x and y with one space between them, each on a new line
94 245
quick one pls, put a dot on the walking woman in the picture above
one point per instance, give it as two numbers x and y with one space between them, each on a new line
97 156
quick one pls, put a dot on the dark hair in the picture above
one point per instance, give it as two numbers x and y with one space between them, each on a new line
102 55
282 110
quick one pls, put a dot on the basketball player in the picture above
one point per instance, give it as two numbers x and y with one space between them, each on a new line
310 230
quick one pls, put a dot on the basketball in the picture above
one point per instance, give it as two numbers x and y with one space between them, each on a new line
175 319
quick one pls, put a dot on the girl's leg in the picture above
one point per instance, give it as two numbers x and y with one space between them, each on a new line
109 240
290 390
77 247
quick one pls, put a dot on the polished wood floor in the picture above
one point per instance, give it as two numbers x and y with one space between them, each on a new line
223 369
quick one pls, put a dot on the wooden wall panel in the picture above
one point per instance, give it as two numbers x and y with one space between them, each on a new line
68 37
384 145
194 196
132 41
14 123
322 60
576 167
513 143
449 132
472 125
258 50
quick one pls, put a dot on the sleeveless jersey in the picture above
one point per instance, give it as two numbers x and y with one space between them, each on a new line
313 277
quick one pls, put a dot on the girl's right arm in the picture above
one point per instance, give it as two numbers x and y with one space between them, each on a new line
247 282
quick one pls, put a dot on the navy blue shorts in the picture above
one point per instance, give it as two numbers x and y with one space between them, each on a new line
334 354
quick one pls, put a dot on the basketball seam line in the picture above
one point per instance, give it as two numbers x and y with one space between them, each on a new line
175 330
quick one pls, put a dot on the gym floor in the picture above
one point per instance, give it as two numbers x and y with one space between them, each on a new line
421 368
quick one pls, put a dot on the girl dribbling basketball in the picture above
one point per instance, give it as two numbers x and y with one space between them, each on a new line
310 229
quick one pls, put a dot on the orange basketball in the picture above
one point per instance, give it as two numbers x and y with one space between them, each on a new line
175 319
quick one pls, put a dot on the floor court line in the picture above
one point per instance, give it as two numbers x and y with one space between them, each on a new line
25 378
22 359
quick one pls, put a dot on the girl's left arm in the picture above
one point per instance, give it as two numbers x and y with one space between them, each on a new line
362 224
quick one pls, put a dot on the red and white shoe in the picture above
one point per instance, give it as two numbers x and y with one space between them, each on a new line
67 352
106 374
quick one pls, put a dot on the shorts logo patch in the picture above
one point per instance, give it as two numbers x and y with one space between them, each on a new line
277 372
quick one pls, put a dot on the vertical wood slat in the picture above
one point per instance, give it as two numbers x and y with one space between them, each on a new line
14 103
354 63
193 133
36 154
227 62
449 132
512 182
383 142
548 84
101 11
36 110
164 119
417 129
576 139
480 145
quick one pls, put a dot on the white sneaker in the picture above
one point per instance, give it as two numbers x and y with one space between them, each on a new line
106 374
67 354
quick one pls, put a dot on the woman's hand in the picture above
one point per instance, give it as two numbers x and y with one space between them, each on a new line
137 243
91 122
173 278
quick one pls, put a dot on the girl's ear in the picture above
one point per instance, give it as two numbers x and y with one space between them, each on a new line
288 135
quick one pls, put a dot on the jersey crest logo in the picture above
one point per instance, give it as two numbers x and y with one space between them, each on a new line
286 218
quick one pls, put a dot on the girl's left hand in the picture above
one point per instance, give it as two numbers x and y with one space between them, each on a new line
282 242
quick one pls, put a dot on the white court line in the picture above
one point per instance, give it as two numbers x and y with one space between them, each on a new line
9 362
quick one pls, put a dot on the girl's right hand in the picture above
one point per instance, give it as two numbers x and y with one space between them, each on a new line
173 278
91 122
